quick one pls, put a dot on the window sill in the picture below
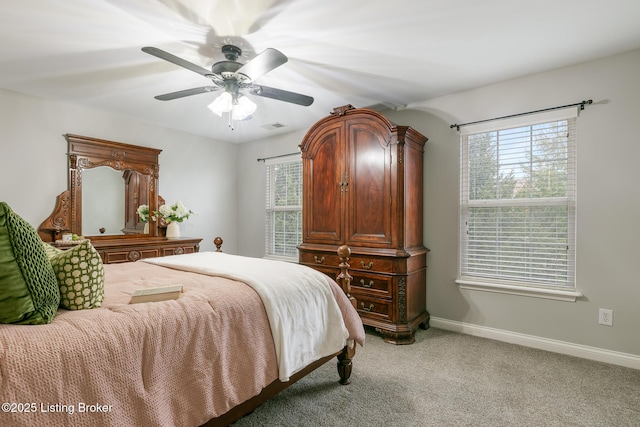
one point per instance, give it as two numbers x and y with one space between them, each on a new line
554 294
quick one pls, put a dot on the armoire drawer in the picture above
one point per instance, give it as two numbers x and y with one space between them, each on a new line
374 308
319 259
363 262
356 262
372 284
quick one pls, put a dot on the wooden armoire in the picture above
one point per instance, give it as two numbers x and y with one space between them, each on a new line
362 187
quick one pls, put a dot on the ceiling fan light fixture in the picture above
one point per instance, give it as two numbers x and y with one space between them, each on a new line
222 104
243 108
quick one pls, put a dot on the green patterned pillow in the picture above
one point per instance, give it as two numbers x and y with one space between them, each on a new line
50 250
29 293
80 276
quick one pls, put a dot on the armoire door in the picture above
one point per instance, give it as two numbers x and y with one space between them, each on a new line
370 205
324 186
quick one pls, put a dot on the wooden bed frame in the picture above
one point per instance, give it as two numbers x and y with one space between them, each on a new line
344 357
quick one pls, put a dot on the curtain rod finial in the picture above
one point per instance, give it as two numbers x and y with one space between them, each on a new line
583 103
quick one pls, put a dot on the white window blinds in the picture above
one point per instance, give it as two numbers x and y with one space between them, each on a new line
283 230
518 201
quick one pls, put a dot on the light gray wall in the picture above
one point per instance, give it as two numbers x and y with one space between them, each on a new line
608 203
33 163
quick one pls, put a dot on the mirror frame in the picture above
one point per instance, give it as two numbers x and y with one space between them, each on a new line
86 153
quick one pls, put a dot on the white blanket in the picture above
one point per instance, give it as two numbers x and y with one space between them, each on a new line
305 318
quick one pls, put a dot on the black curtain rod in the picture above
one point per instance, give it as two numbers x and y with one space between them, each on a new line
581 104
275 157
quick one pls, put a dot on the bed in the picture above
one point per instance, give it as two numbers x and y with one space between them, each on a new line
207 358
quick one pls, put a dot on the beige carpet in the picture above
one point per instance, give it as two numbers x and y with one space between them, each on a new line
451 379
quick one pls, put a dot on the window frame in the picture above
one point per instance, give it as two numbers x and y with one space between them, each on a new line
270 207
465 280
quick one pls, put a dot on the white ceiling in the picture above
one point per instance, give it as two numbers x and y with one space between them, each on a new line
364 53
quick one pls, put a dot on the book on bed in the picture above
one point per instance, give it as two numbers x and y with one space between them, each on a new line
160 293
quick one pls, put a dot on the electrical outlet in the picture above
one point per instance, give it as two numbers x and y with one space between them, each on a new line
605 317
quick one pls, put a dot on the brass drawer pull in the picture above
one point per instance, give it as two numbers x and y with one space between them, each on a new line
318 261
368 266
363 308
366 285
134 255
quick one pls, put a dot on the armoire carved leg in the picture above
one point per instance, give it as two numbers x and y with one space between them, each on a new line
425 323
345 365
404 333
397 337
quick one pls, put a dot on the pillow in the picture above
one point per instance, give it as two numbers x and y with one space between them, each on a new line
29 292
50 250
80 276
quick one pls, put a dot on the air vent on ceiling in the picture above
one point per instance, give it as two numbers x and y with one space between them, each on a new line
273 126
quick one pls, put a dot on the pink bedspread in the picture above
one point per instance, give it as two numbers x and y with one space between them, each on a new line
170 363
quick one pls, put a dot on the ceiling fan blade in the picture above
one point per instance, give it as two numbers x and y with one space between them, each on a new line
266 61
281 95
175 60
186 92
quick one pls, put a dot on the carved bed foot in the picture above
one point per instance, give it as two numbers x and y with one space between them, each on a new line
345 365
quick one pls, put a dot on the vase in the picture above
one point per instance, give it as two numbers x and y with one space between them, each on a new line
173 230
146 228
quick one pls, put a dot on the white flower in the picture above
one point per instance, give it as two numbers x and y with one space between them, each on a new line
143 213
177 212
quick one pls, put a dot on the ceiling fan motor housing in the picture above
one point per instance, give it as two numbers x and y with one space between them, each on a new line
227 69
231 52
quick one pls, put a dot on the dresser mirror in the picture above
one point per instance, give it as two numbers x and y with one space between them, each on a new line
107 182
103 203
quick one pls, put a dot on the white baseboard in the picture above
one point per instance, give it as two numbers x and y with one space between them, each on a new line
562 347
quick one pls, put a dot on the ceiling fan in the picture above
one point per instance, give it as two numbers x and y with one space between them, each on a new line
234 77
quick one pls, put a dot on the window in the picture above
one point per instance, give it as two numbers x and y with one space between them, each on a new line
518 206
284 207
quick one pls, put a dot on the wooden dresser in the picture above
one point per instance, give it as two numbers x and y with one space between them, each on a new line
363 187
116 250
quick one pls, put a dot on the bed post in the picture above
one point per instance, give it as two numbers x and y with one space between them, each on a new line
344 280
218 242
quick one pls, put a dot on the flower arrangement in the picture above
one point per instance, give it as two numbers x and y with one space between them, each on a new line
177 212
143 213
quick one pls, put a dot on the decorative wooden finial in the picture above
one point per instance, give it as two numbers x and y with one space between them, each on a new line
218 242
341 111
